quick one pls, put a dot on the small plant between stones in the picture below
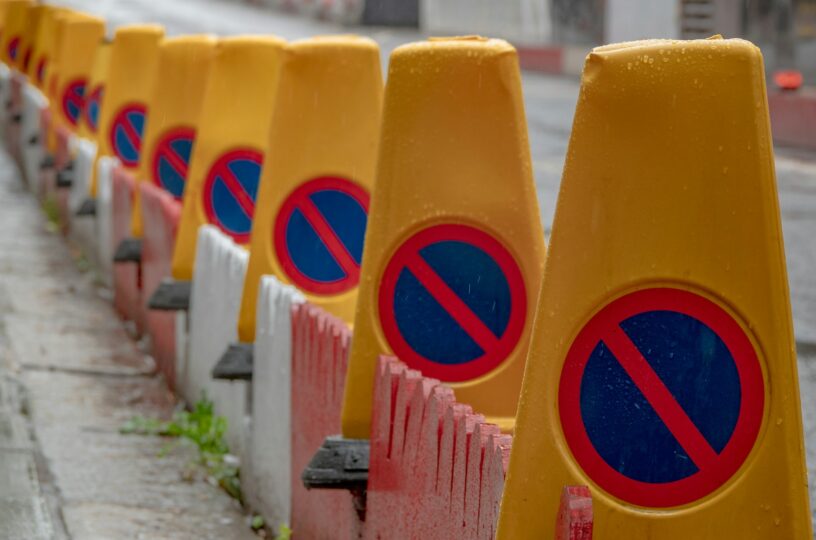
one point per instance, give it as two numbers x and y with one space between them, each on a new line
206 431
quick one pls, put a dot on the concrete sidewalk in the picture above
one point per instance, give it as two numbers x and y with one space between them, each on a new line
70 376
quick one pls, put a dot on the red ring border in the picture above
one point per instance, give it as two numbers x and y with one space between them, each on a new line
320 183
120 115
230 155
76 82
752 403
489 361
170 135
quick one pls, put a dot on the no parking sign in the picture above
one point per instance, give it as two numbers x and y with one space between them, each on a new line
171 160
661 397
319 234
13 47
230 190
73 100
126 133
452 302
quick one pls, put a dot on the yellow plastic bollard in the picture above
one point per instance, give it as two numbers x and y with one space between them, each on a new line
454 249
14 29
44 46
33 20
183 67
313 200
232 134
52 70
129 86
89 127
94 91
662 370
80 36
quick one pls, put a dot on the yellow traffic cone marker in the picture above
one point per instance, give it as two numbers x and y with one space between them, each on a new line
183 67
225 168
662 371
81 34
131 76
314 196
454 248
14 28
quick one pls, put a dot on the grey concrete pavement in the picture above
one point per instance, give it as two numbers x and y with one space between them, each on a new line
69 378
24 509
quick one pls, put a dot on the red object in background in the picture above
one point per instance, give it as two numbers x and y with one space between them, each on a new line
575 514
160 217
542 59
793 117
788 79
127 290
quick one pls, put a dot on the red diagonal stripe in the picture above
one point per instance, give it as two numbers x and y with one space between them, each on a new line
174 159
131 133
243 198
451 303
660 398
329 237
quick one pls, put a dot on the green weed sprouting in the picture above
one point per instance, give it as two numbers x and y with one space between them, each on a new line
284 532
203 429
206 431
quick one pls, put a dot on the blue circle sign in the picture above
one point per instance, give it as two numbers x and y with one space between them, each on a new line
126 133
171 160
661 397
73 100
452 302
319 233
230 190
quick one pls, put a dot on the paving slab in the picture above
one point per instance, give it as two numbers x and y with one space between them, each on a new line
70 376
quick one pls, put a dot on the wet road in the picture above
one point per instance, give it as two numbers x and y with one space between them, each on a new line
550 102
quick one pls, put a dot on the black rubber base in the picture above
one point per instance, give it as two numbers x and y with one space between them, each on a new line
87 208
236 363
171 295
129 250
47 162
65 179
338 464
